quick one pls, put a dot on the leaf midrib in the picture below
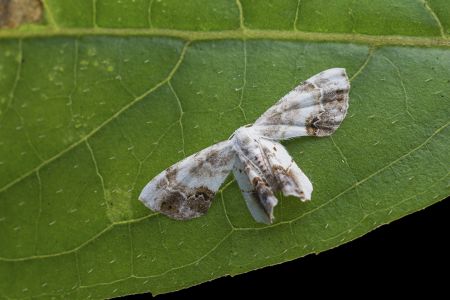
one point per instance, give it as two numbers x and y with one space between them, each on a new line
189 35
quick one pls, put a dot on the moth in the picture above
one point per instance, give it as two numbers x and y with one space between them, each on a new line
261 165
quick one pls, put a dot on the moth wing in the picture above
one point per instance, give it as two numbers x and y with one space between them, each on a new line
288 176
186 189
250 194
316 107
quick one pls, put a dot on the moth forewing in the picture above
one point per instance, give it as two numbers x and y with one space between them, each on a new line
316 107
186 189
257 210
289 179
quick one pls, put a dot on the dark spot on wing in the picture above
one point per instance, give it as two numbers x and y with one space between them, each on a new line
284 112
212 163
276 118
199 200
340 95
171 174
263 194
321 81
162 183
334 109
335 98
225 158
279 175
311 126
334 104
172 203
197 169
178 206
246 140
245 151
306 87
213 157
271 130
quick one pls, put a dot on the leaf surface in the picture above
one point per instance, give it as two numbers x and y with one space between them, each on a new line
104 95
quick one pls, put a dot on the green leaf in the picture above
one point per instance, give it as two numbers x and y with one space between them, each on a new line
103 95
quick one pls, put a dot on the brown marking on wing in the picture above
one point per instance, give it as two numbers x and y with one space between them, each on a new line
334 106
171 174
263 192
341 95
200 200
291 181
276 118
198 170
173 200
277 169
246 140
208 166
245 151
184 203
281 178
285 178
322 81
270 130
285 112
311 126
225 159
335 98
305 87
213 157
162 183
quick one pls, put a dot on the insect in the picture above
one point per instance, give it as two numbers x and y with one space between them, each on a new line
260 164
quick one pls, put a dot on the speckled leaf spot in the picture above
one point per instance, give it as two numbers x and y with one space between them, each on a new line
261 165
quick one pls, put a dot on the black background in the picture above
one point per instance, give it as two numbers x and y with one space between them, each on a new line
410 255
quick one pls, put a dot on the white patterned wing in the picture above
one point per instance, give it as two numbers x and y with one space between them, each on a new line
186 189
251 197
316 107
287 176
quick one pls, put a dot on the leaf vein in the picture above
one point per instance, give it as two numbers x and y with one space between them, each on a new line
198 260
90 240
180 119
244 81
149 14
366 216
365 63
241 14
38 217
406 97
107 121
407 154
97 171
16 81
297 11
435 17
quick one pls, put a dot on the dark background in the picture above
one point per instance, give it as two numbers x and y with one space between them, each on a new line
410 255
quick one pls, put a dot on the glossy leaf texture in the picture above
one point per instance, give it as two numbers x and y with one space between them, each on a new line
103 95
